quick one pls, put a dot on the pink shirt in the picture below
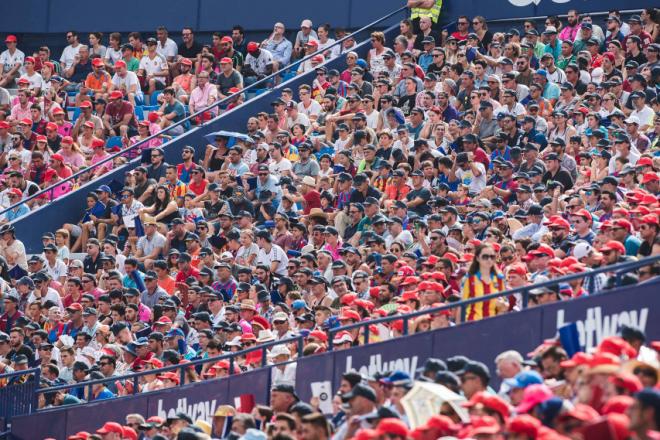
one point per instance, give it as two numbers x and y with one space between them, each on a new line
17 113
199 98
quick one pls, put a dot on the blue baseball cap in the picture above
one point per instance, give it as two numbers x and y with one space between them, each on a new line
174 332
524 379
104 188
298 304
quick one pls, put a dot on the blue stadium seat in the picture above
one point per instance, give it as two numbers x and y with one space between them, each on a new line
139 112
73 113
153 99
114 141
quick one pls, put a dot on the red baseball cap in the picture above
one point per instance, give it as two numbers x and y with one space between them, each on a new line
157 363
579 358
98 143
67 140
16 192
613 245
51 126
348 299
23 81
644 161
561 222
318 59
116 95
11 39
524 424
626 381
374 292
170 376
186 62
318 334
26 121
409 280
533 395
623 223
75 306
225 60
252 46
97 62
650 177
347 314
111 427
85 104
544 250
583 213
29 60
129 433
392 426
5 125
312 43
120 63
650 219
226 39
58 111
409 296
42 138
89 124
518 269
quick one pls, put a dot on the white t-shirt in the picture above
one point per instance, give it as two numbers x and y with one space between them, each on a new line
36 81
518 109
474 183
156 65
279 167
58 271
8 60
129 80
259 64
372 119
333 52
276 254
300 119
169 49
68 55
314 108
112 55
645 115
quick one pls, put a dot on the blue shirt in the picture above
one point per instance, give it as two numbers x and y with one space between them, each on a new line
281 51
16 213
180 112
105 394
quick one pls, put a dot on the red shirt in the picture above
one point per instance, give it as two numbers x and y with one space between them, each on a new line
312 200
198 188
117 111
510 185
64 172
181 275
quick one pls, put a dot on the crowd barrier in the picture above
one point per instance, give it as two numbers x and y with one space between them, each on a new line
596 317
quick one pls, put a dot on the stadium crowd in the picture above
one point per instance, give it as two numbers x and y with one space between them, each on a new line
442 166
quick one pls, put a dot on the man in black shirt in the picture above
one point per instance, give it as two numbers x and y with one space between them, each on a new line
418 197
92 262
555 173
158 166
144 188
648 232
362 190
190 48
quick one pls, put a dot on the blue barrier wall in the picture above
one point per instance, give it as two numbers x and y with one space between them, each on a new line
597 317
69 208
50 16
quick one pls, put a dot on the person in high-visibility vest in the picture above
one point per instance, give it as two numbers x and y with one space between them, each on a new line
424 8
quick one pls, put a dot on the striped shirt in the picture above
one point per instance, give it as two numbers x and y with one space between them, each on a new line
474 287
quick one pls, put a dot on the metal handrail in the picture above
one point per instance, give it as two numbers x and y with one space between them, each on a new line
227 99
524 290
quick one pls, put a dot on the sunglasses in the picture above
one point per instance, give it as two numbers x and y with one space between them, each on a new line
488 257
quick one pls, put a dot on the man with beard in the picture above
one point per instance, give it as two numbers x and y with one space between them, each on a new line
560 229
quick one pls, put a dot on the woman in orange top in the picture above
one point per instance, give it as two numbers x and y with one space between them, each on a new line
483 278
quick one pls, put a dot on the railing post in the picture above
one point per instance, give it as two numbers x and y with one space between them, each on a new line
182 375
525 298
330 336
136 384
35 397
405 325
231 365
366 334
301 346
264 353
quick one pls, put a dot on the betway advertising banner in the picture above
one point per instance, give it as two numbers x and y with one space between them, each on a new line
596 317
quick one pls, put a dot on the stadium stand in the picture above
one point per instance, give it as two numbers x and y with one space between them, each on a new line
429 179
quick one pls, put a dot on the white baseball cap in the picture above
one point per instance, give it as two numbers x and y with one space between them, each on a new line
582 249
